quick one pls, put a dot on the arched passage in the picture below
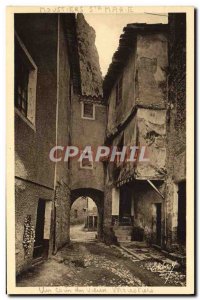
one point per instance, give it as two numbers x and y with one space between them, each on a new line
97 197
83 220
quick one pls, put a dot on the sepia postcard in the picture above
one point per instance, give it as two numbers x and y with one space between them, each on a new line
100 187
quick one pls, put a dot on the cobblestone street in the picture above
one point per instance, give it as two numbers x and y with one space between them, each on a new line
77 233
91 263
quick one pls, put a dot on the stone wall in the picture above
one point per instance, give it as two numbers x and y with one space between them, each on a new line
87 132
27 195
118 113
62 201
145 198
39 34
108 206
91 77
80 205
176 119
144 79
151 132
62 206
34 171
151 65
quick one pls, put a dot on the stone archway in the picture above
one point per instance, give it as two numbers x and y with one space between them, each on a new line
97 196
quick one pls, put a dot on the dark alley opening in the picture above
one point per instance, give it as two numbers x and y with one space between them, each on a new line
83 219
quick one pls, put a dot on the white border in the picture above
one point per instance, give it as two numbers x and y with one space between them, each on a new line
3 4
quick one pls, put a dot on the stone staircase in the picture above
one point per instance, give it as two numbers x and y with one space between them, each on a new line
123 233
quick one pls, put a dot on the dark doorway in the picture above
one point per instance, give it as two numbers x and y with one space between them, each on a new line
39 245
158 223
181 231
125 206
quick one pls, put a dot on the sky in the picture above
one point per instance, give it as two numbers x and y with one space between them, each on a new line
108 29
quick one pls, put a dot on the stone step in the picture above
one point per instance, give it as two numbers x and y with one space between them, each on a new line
123 233
123 238
125 227
37 261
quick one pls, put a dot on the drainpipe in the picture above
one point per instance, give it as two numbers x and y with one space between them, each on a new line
55 170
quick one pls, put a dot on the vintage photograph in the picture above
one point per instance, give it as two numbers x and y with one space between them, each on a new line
99 106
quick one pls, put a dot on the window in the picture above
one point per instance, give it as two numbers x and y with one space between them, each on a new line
119 91
88 111
86 161
21 86
25 82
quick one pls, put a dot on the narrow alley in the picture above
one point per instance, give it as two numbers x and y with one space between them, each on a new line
92 263
100 159
78 233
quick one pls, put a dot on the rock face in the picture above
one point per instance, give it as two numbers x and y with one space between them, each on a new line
91 77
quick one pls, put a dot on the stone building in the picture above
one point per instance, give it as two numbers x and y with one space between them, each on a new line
145 92
58 101
176 134
135 88
42 103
